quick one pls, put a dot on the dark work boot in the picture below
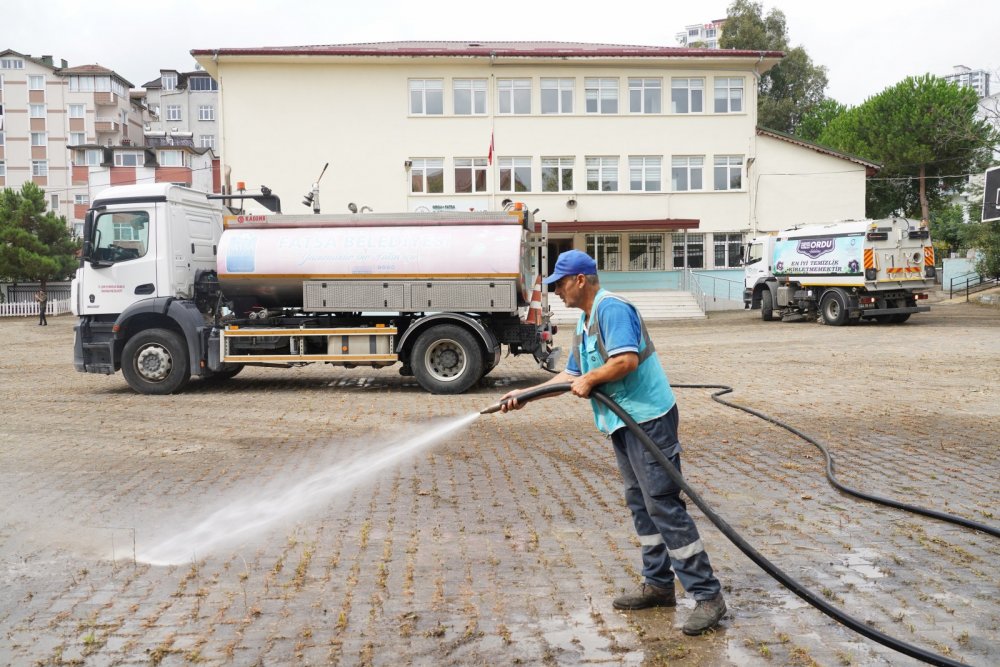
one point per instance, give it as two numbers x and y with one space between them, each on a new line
646 596
706 615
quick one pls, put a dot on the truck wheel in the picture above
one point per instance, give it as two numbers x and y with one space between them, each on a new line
899 318
446 359
833 308
156 362
766 306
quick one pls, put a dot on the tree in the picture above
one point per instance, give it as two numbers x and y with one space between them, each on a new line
949 230
790 89
34 245
925 133
814 121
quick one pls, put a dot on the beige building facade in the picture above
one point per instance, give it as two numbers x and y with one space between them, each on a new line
648 157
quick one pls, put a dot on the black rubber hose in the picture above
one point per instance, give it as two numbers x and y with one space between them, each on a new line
934 514
734 537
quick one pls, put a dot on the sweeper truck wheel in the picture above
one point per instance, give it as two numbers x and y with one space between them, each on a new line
447 359
833 308
766 306
156 362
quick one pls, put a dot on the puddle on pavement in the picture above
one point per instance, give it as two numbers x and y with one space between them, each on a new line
859 561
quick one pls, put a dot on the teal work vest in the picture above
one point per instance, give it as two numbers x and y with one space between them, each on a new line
644 393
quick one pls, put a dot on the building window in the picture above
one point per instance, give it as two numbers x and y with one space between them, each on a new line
207 140
602 174
728 94
171 158
76 111
426 97
710 33
427 175
39 167
169 81
469 97
91 157
728 172
3 169
645 252
77 138
606 251
514 96
557 95
206 112
11 63
687 95
36 82
644 95
557 174
39 139
130 159
202 83
515 174
727 250
1 132
36 110
81 199
695 251
470 174
602 95
686 173
54 202
173 112
644 173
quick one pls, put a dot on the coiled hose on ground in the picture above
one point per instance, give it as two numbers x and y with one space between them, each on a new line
770 568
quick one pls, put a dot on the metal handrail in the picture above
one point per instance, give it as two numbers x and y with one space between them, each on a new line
715 292
969 283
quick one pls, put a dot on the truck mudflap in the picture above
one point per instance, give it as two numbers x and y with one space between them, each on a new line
94 347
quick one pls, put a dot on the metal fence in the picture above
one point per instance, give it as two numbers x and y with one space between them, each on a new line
712 292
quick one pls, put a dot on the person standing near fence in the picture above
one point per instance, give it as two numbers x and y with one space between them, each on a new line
42 297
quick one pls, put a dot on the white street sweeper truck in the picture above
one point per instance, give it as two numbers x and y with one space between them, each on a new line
173 285
840 272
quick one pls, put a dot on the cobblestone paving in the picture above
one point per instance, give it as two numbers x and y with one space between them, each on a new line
504 543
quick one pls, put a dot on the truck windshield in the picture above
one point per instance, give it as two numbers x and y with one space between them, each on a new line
755 253
121 236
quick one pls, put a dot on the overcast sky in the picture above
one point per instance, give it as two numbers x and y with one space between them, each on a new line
866 45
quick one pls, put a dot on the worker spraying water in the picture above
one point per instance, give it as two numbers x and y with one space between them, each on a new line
612 349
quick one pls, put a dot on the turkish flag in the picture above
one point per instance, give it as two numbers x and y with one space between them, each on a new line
489 156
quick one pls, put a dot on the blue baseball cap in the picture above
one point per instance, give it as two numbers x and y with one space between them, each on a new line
572 263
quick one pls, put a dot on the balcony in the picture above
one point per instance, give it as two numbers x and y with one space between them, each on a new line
106 99
105 124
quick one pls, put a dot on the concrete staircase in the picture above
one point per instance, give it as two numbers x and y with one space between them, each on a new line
654 305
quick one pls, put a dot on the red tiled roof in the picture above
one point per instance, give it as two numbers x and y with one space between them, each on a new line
486 49
870 167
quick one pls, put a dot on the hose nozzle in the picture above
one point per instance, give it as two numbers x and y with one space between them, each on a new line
493 408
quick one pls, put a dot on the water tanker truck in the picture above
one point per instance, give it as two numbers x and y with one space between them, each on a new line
172 284
841 272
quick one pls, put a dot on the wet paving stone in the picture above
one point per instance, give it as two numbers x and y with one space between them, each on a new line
505 542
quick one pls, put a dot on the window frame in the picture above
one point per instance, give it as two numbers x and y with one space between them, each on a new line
206 141
677 245
651 260
32 77
206 112
563 166
81 135
71 108
729 88
478 174
37 110
426 169
168 81
562 86
516 167
195 81
642 86
173 113
40 168
731 162
421 87
39 139
477 89
606 165
728 242
515 91
606 249
692 164
120 160
646 167
594 89
689 97
171 155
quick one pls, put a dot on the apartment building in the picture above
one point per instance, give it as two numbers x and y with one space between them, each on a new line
183 107
701 35
647 157
76 130
977 79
